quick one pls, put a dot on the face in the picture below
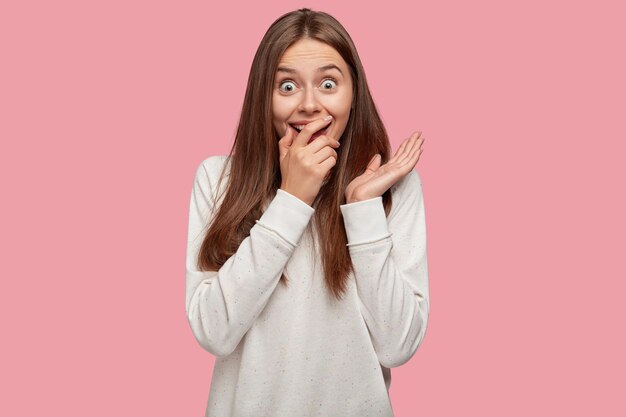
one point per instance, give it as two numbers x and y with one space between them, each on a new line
312 82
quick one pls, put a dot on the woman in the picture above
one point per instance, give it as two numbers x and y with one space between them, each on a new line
306 260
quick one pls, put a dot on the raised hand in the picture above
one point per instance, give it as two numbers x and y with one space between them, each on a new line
377 179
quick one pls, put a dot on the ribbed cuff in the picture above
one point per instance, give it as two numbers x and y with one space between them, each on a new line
287 215
365 221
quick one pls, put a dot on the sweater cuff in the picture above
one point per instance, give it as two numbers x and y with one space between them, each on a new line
287 215
365 221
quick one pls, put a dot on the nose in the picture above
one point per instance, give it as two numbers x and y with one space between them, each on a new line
309 102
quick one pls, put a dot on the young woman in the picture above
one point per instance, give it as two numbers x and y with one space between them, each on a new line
306 261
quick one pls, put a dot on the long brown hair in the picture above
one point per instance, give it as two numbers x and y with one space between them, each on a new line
254 159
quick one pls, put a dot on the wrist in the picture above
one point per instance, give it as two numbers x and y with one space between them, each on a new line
354 199
296 195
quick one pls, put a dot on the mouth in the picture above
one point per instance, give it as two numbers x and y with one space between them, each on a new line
322 131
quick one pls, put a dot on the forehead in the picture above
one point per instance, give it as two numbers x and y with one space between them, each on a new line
307 52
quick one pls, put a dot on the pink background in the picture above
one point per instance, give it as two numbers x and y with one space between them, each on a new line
107 108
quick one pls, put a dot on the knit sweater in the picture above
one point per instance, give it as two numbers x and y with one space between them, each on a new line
296 351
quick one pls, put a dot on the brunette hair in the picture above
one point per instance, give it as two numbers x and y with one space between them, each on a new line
254 159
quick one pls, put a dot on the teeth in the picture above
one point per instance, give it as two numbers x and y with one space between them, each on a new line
300 127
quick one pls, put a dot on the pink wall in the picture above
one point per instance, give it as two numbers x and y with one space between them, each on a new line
107 108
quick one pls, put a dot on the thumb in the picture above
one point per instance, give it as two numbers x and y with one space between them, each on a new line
374 163
285 143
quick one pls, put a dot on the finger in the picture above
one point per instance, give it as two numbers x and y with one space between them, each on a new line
374 163
289 135
285 143
321 142
305 134
398 153
410 164
414 155
417 155
328 163
412 144
324 154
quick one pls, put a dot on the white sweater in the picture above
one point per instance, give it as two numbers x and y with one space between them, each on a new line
293 351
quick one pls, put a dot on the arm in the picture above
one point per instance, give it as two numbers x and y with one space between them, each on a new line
222 305
391 269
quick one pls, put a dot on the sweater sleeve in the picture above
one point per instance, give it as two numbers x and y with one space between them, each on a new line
391 270
222 305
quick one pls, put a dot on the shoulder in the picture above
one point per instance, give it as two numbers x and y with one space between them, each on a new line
210 168
208 173
214 164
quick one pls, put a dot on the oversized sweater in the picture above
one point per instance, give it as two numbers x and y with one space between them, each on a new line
296 351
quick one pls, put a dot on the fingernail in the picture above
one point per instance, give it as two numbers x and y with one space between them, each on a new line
327 118
286 131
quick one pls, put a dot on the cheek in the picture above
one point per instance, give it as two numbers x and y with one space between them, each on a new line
280 110
276 104
342 103
341 109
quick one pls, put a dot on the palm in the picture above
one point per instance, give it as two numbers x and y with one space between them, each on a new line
377 179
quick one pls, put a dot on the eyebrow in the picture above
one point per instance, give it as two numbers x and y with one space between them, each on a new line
320 69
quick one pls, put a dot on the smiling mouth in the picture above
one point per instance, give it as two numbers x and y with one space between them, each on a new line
320 132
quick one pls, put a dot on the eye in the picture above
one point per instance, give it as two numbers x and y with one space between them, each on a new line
329 84
289 86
